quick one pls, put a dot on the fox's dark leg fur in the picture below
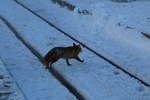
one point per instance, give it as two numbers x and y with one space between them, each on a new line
49 65
67 61
51 62
77 58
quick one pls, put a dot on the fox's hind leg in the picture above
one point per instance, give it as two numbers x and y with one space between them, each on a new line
51 62
47 66
77 58
50 65
67 61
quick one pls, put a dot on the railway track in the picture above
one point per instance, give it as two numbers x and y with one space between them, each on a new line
54 72
101 56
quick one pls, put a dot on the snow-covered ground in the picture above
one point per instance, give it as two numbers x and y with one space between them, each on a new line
8 87
112 34
31 76
113 29
95 78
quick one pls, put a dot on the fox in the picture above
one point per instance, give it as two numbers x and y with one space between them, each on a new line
56 53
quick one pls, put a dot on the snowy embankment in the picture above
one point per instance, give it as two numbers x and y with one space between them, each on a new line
94 79
8 88
112 30
33 79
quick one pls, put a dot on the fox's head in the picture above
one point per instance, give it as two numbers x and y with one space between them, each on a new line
77 48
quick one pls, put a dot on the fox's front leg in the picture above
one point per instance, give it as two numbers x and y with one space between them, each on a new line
77 58
67 61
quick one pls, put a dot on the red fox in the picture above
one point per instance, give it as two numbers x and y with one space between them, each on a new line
62 52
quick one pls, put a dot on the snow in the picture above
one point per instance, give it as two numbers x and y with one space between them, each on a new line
95 78
33 79
8 88
115 33
113 29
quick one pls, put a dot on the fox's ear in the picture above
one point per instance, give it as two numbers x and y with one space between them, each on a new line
74 44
